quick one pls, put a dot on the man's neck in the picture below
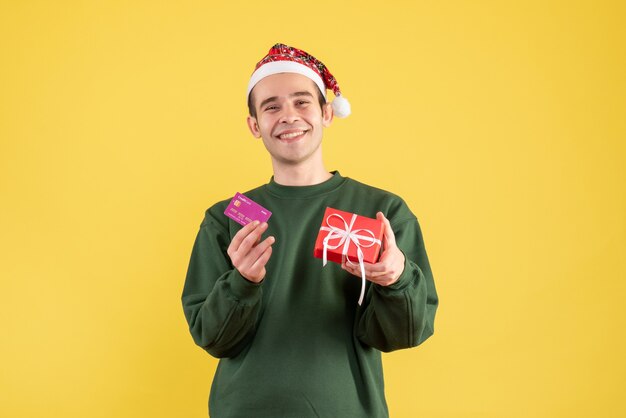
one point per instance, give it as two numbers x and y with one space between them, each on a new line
301 174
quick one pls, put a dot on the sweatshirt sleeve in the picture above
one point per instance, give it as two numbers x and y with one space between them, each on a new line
220 305
402 315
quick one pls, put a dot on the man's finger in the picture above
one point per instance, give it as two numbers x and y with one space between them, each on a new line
260 263
366 266
350 269
369 275
375 275
242 234
375 270
249 258
260 248
378 267
389 236
252 238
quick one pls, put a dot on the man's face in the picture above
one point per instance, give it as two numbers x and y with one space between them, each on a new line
289 118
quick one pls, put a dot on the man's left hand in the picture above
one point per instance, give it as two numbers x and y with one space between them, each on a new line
390 265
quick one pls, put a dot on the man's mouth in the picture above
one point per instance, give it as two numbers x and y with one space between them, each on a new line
291 135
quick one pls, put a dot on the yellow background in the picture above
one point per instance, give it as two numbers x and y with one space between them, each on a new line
502 124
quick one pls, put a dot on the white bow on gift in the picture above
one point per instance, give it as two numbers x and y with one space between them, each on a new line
345 237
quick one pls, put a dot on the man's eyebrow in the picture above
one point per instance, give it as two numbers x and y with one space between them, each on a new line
268 100
296 94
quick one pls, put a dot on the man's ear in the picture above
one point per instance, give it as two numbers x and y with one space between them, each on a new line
254 126
327 114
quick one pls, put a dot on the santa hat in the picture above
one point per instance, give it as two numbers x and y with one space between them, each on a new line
285 59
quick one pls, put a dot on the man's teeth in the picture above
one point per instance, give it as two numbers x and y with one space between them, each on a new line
291 135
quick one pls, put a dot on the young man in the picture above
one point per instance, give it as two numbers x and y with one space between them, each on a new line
291 338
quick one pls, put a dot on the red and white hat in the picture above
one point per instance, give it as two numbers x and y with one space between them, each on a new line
282 58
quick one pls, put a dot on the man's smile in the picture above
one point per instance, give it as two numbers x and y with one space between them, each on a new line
291 134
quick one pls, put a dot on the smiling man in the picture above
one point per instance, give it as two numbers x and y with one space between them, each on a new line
291 339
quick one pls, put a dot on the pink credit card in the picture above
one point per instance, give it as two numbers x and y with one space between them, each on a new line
244 210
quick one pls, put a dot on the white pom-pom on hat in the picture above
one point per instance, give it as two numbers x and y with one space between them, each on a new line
341 107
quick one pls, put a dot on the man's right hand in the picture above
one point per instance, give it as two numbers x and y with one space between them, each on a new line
248 254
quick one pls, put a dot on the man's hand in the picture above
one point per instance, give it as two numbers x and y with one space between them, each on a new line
390 264
248 254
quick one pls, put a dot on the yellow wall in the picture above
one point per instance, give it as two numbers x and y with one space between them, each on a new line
501 123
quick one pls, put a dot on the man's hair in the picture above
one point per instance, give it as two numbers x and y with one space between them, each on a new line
252 111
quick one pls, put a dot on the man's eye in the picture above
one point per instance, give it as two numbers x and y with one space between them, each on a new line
271 107
302 102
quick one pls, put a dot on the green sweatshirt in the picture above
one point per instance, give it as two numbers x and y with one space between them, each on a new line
297 344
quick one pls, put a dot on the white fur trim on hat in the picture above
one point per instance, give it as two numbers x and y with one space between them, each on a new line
276 67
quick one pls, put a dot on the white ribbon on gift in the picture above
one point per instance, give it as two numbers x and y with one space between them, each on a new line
345 237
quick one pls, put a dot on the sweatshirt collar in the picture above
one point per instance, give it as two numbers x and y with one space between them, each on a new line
306 191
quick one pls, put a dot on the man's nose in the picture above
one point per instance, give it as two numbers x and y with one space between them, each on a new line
289 114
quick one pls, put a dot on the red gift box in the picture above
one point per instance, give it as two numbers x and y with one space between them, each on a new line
346 233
